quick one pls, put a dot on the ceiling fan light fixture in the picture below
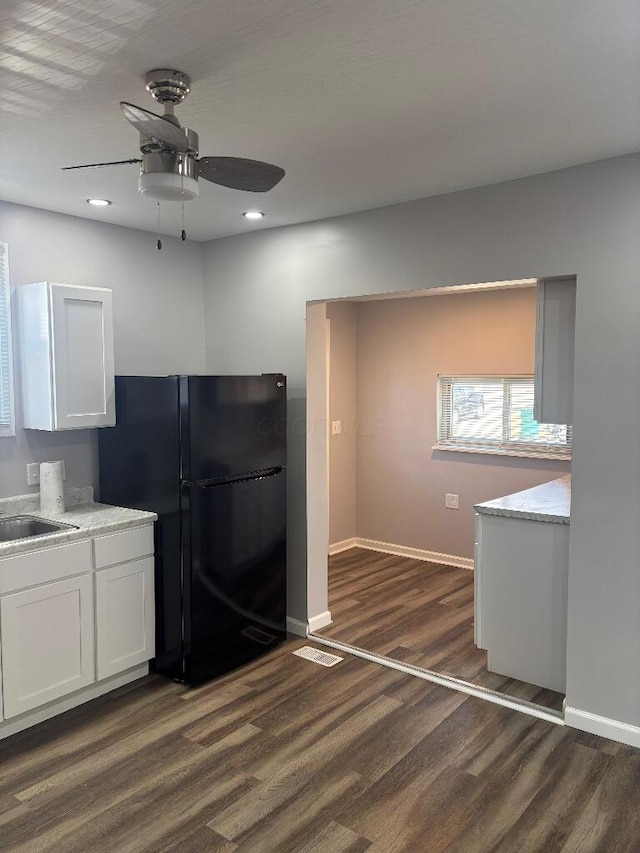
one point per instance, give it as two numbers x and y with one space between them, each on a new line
168 186
99 202
253 214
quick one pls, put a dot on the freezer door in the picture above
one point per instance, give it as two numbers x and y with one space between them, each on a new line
237 600
232 425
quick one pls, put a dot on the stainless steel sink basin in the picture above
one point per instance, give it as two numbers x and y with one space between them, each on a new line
17 527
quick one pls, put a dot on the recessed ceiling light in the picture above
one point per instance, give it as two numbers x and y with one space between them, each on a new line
99 202
253 214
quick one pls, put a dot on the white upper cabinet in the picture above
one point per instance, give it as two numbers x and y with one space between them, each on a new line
555 335
66 343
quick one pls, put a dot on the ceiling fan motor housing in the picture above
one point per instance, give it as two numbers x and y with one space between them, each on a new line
169 176
167 86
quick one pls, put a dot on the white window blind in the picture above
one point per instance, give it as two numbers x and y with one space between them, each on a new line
494 414
6 369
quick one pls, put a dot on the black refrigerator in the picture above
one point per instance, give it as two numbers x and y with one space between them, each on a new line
208 455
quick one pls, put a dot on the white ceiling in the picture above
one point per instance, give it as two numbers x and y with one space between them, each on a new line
364 102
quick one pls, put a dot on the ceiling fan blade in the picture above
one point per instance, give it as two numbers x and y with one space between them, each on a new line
94 165
240 174
156 126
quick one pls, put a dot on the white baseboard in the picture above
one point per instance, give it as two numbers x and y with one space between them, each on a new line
320 621
603 726
295 626
301 629
345 545
414 553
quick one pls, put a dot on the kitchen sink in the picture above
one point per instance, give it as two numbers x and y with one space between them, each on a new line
17 527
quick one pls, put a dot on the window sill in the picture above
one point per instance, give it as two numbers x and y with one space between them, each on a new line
526 452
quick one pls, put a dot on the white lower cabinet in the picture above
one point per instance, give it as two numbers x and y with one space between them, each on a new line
521 580
47 643
76 620
124 616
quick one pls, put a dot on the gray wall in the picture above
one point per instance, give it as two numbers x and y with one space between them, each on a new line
343 329
581 221
157 301
403 344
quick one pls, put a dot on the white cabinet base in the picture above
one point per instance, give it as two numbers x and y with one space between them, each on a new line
521 598
61 621
73 700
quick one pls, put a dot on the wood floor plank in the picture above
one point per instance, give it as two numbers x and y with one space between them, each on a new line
307 753
301 815
509 788
308 760
95 810
426 608
432 816
111 755
596 828
548 820
401 789
335 838
200 838
77 734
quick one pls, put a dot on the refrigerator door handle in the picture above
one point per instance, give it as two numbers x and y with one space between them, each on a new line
252 475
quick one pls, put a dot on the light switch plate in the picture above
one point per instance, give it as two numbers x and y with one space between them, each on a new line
33 473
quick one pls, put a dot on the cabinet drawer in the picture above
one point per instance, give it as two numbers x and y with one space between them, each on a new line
121 547
49 564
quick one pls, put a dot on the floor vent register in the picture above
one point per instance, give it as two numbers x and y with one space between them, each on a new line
317 656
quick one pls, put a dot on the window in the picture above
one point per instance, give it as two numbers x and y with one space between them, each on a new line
6 377
494 414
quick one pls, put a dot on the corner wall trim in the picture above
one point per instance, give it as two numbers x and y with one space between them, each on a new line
603 726
345 545
303 629
295 626
415 553
320 621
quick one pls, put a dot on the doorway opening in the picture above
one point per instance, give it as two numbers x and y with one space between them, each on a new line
390 505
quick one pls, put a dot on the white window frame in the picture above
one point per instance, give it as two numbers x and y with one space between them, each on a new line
7 409
505 447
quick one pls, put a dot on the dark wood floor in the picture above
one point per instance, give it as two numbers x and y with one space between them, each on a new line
285 756
415 612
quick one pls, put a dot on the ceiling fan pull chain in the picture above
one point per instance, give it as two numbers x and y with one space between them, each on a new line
159 243
183 234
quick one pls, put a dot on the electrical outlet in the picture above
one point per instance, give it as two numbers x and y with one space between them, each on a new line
33 473
336 427
451 501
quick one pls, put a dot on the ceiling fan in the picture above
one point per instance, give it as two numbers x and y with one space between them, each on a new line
170 166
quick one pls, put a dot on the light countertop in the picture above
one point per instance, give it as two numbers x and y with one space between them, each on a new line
548 502
90 519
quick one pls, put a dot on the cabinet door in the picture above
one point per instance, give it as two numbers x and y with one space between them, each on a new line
82 357
47 643
124 616
555 335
